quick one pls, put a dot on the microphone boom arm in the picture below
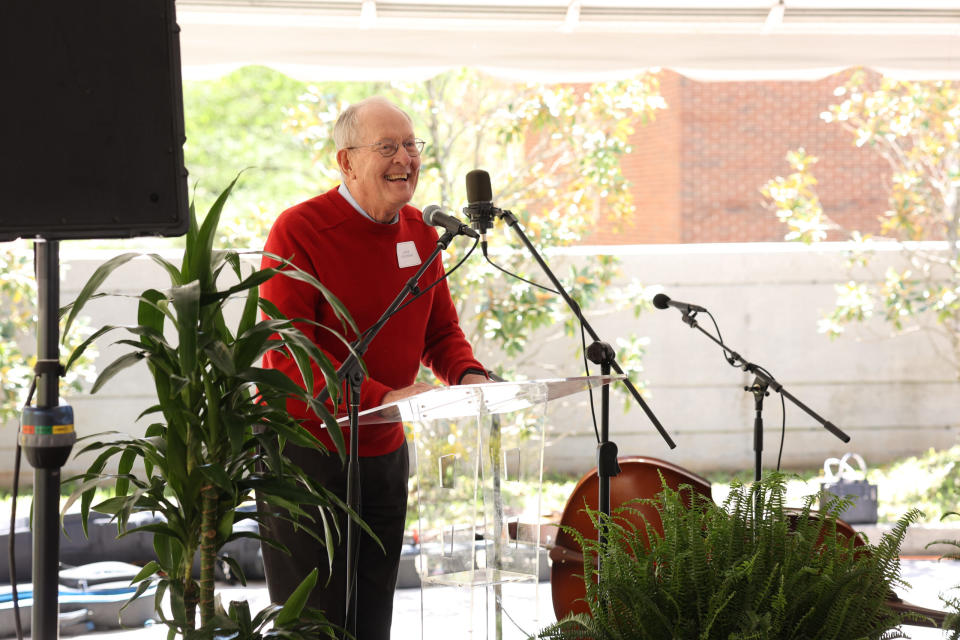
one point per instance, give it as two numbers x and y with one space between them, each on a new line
736 360
513 223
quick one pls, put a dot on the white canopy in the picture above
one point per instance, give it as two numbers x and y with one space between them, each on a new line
571 40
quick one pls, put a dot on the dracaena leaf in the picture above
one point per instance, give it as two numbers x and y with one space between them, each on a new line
91 286
116 367
297 601
186 300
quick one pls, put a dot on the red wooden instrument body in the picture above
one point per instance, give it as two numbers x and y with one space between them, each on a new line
639 477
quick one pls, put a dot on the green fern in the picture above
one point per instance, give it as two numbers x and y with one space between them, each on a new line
749 569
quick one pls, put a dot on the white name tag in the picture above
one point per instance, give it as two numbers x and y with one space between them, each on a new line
407 255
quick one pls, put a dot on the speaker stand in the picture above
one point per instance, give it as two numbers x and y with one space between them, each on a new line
47 436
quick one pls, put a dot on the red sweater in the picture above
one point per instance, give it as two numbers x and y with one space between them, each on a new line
357 260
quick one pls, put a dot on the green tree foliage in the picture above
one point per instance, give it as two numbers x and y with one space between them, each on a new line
929 481
236 122
18 326
750 568
915 126
18 292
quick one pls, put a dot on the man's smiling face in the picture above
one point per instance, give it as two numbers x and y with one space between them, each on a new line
381 185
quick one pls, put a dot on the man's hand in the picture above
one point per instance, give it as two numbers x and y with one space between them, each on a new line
420 387
406 392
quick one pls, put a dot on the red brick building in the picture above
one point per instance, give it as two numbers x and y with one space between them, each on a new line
696 171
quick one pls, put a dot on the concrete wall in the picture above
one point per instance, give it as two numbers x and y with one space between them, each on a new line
894 397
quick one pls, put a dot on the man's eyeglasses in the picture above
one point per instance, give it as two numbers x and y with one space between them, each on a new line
388 148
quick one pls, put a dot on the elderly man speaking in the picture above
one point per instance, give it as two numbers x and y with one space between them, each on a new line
363 241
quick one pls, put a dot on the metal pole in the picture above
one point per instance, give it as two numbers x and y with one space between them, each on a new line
46 496
47 435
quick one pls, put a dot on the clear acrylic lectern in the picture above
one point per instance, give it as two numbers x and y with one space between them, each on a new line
479 461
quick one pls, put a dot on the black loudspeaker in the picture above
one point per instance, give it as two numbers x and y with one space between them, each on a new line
91 120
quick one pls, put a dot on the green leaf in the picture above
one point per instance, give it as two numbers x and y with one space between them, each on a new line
281 488
127 459
225 527
82 347
271 310
200 247
148 570
217 476
221 357
116 367
219 322
177 606
292 609
177 454
250 282
149 315
161 545
176 278
305 350
86 492
112 506
249 316
101 274
186 268
186 300
159 530
141 589
236 571
272 378
252 344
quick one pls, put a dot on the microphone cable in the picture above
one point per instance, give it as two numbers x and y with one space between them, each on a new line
586 368
783 415
583 334
483 248
783 427
732 357
481 212
11 541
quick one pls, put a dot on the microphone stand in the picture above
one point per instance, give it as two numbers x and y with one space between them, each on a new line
351 371
761 382
602 354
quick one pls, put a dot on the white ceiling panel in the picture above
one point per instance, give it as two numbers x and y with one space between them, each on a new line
551 40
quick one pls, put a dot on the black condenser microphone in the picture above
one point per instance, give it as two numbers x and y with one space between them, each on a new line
480 207
434 215
662 301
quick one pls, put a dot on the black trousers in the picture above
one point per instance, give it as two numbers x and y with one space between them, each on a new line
383 506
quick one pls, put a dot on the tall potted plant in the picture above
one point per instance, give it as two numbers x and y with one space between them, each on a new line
220 422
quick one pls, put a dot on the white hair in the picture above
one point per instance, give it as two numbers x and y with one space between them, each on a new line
346 131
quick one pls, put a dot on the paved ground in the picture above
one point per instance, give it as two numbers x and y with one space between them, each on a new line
928 578
445 612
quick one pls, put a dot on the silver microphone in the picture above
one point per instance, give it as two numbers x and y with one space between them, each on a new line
434 216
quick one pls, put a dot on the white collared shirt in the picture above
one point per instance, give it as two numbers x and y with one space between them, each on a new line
356 205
